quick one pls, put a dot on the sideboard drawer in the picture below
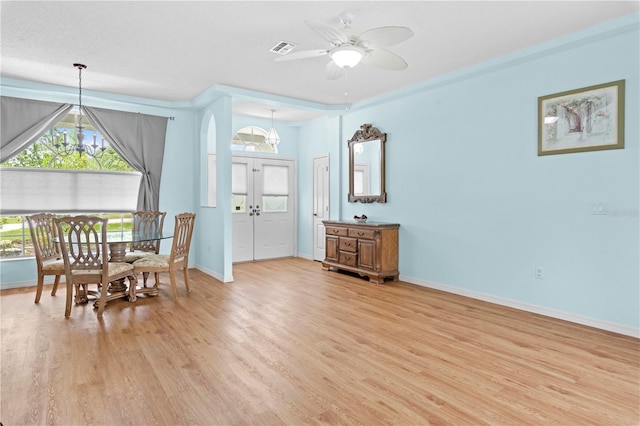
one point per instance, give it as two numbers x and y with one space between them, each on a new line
333 230
348 244
348 258
368 234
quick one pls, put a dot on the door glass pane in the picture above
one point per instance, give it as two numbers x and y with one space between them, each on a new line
275 180
239 178
274 203
238 203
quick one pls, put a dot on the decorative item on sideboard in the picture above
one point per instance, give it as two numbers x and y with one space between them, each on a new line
360 219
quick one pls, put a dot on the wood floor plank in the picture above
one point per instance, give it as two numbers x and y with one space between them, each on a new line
288 343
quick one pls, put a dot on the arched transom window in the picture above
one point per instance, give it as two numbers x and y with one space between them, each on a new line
251 139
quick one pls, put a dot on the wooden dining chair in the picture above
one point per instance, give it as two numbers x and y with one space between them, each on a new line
146 222
177 259
48 257
83 244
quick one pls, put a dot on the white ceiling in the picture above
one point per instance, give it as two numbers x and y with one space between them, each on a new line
176 50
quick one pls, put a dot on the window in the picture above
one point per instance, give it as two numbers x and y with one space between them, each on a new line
275 188
15 238
40 179
251 139
239 187
44 152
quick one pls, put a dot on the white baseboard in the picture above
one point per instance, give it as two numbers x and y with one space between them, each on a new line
217 276
566 316
304 256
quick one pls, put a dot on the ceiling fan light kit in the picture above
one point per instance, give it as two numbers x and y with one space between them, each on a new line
346 56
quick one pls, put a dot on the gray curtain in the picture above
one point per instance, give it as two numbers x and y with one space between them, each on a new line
23 121
139 139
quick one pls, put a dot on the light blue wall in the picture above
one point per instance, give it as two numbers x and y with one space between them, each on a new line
479 210
213 245
319 137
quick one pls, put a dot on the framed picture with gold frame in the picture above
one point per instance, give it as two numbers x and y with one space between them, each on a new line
586 119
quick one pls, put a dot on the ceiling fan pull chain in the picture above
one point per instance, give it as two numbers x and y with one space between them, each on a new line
346 87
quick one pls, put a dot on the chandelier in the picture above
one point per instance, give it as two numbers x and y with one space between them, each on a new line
66 146
272 137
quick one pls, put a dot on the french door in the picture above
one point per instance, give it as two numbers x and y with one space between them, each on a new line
263 208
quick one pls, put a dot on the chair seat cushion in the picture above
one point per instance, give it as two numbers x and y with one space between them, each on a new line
153 261
56 265
132 256
115 268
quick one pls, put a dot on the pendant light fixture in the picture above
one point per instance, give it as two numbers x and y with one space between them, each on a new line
272 137
66 146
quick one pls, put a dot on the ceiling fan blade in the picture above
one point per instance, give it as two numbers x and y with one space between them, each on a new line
384 59
302 55
332 71
384 37
332 34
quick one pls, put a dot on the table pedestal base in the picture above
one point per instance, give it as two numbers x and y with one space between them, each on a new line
117 286
117 252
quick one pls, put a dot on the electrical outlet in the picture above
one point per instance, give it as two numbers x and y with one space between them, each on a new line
598 209
539 272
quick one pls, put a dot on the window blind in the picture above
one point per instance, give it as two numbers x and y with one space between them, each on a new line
26 191
239 174
275 180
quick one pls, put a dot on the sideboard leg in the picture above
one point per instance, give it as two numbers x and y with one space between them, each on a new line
376 279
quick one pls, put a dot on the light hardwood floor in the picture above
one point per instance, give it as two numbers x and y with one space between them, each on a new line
290 343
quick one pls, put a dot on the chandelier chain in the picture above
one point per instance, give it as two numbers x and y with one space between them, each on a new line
80 89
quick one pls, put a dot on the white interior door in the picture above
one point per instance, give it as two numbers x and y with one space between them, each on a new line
263 192
320 204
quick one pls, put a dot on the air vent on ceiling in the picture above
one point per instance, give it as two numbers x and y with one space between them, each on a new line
283 48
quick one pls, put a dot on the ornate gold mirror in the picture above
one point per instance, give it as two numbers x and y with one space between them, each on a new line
366 165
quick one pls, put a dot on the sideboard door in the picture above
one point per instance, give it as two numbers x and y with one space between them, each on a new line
367 253
331 247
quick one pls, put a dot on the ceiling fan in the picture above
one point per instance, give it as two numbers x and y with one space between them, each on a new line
348 46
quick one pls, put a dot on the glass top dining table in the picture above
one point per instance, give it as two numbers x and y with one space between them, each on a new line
118 241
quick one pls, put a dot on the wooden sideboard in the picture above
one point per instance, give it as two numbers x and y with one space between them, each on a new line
369 249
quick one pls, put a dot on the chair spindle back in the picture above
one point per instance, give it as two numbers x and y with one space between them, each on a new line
147 222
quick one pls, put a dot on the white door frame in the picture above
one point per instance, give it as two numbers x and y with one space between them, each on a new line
320 208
